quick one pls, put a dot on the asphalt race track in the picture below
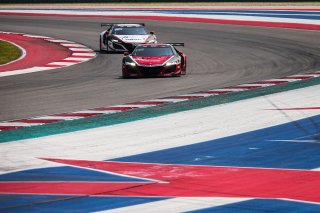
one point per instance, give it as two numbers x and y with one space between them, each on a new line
218 56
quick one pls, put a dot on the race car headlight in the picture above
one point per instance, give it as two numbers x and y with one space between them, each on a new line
173 62
130 63
114 40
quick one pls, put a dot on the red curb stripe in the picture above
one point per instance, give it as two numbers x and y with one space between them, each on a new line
314 73
73 61
213 92
79 114
9 127
81 56
245 87
116 108
54 65
271 82
148 103
52 40
298 77
182 97
34 121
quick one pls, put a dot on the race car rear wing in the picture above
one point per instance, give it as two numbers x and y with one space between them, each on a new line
176 44
110 24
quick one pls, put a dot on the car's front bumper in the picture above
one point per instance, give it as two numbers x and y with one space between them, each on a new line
151 71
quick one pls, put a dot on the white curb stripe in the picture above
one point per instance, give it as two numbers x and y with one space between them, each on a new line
172 100
304 76
80 49
59 41
196 94
72 45
77 59
36 36
289 79
227 90
255 85
83 54
52 117
18 124
24 71
99 111
134 105
279 79
62 63
72 115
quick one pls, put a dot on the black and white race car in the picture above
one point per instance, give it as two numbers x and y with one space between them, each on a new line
124 37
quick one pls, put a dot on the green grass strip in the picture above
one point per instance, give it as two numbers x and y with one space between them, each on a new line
8 52
144 113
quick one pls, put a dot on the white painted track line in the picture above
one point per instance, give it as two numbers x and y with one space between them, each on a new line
176 205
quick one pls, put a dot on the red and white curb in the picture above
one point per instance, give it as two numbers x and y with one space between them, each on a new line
151 13
79 54
16 124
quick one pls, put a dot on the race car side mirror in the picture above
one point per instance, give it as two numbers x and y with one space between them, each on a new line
126 53
151 32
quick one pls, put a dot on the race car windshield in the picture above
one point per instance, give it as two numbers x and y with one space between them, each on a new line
153 51
129 31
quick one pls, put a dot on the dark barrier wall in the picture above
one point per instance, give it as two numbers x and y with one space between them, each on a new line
138 1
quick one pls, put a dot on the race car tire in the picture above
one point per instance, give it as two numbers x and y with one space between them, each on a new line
107 50
178 75
184 72
124 76
100 47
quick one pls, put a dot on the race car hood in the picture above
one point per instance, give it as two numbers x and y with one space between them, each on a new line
148 60
133 38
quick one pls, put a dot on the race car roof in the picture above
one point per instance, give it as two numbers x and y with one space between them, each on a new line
161 44
128 25
123 24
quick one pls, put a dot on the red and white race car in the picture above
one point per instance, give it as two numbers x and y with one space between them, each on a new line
151 60
125 37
